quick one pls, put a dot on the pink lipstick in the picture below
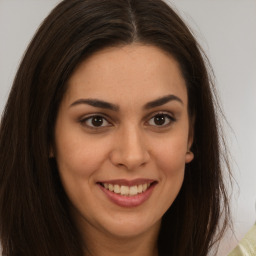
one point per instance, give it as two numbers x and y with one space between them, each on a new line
127 193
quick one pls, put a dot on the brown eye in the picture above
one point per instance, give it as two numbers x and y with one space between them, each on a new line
161 120
95 122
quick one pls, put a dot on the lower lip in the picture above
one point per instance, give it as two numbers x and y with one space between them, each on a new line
128 201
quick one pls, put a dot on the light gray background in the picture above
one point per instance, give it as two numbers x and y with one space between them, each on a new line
227 31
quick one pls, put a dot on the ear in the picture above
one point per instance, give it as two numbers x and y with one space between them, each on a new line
190 155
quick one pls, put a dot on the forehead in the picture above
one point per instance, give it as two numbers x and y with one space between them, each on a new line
127 73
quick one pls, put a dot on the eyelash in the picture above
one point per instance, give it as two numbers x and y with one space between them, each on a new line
170 118
99 116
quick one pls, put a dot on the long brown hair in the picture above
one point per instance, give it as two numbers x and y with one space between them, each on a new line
34 217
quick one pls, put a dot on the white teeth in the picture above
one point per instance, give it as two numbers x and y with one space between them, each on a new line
117 189
126 190
144 187
133 190
110 187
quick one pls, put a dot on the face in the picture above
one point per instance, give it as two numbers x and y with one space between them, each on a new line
122 139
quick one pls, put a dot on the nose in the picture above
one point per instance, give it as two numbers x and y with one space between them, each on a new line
130 149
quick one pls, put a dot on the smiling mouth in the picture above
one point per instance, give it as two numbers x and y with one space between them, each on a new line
125 190
126 193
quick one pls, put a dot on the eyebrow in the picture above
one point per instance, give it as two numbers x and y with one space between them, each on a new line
106 105
163 100
96 103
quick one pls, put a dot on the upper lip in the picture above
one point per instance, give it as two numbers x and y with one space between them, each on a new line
129 183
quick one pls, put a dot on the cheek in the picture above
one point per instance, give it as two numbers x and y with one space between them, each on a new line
77 163
78 156
170 156
170 160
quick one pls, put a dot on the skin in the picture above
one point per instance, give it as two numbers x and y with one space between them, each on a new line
127 145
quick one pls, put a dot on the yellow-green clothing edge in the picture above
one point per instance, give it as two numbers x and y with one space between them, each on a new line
247 246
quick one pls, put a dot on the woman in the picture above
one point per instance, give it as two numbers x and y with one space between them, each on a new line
109 142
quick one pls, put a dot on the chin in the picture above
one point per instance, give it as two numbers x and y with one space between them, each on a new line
131 227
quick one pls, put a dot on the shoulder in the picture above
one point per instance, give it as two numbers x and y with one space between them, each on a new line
247 246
